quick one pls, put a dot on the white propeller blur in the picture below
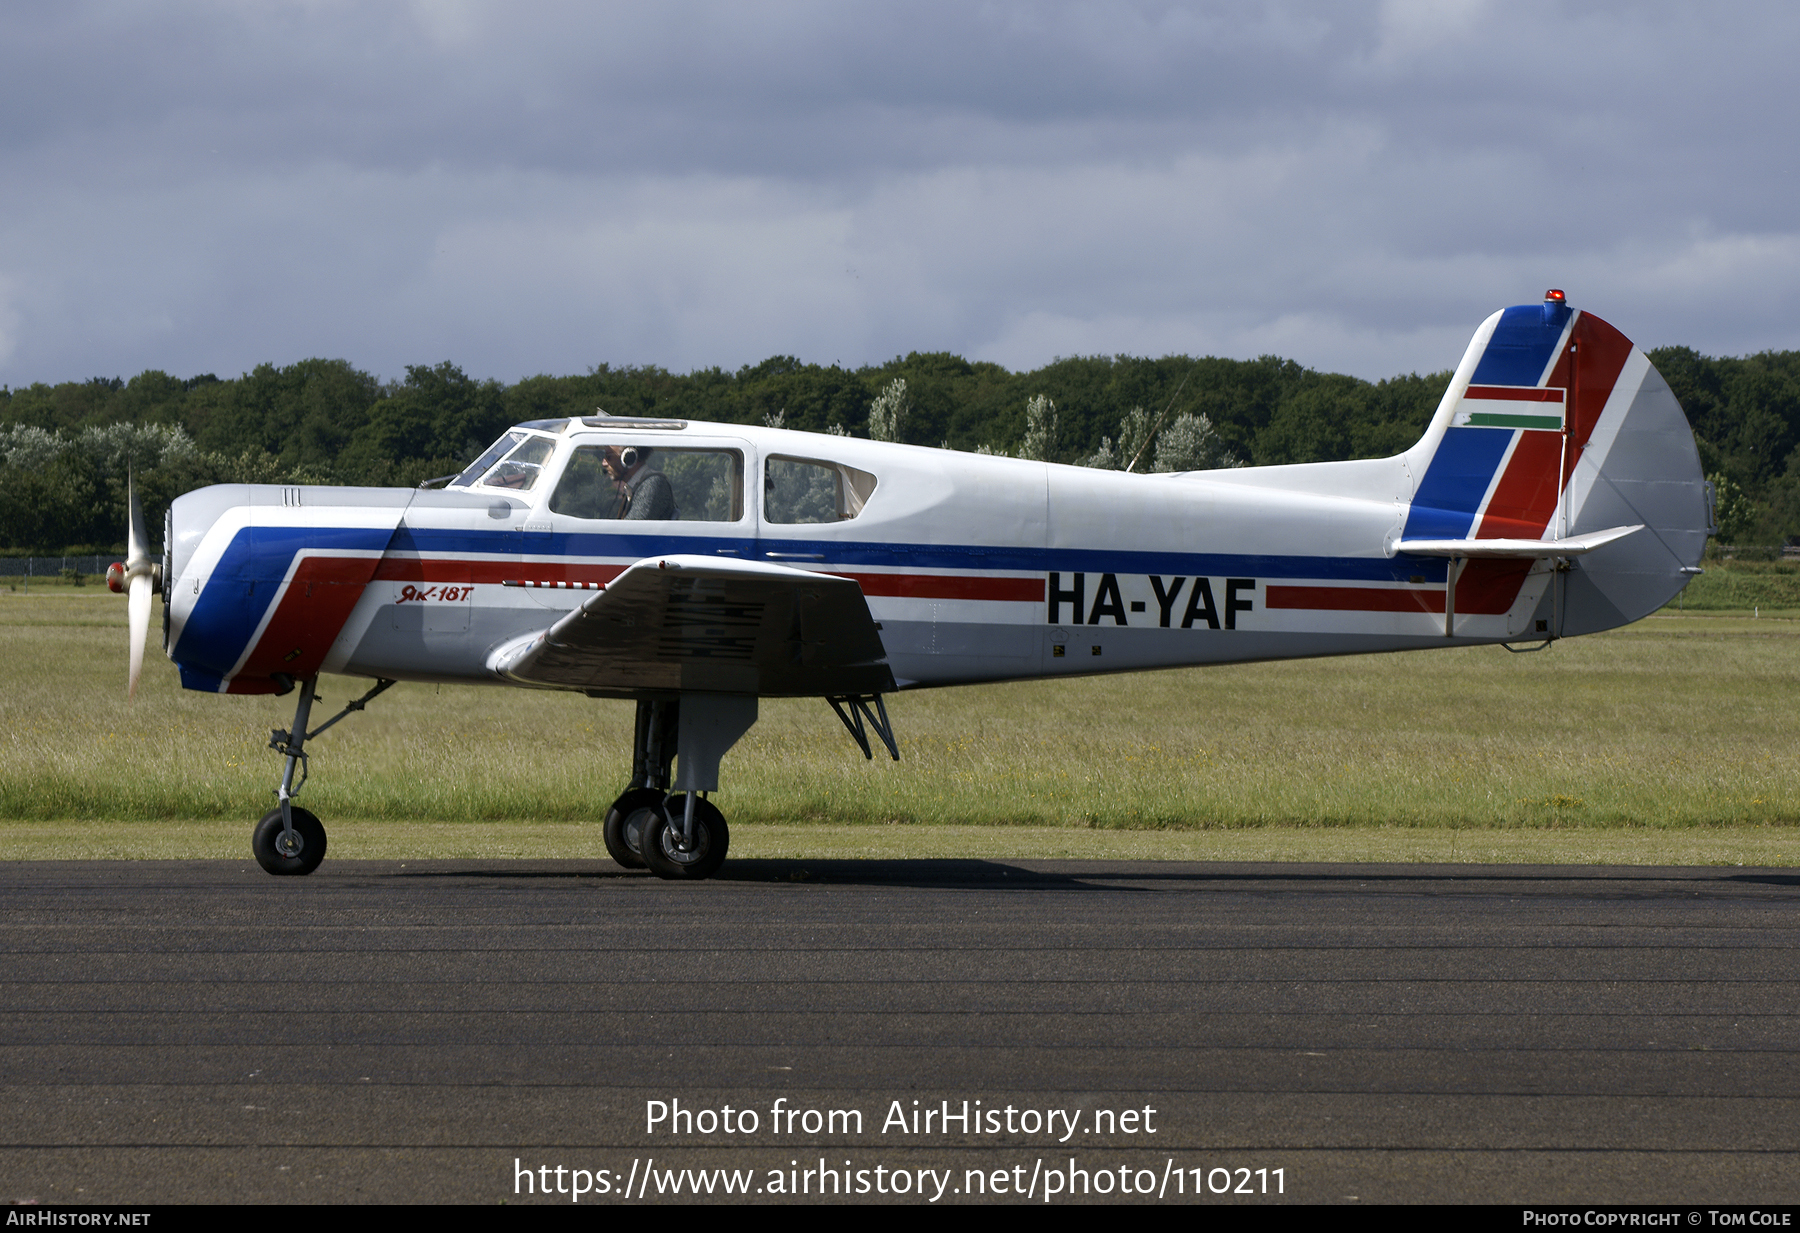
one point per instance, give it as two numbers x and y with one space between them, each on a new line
137 576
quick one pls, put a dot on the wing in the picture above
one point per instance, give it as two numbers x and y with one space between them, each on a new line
705 625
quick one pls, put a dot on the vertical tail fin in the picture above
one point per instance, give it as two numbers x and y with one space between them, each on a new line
1556 426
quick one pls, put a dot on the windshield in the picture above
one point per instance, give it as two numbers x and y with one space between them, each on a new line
520 469
476 469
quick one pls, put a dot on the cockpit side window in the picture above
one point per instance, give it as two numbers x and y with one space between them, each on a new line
638 482
585 490
805 490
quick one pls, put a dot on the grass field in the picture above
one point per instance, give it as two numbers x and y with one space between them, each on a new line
1740 585
1667 742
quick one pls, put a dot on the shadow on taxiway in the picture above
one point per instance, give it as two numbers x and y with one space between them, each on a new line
1136 875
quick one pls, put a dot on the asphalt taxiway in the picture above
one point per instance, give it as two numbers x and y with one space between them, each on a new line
379 1031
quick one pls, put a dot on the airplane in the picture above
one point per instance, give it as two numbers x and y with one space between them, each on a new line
695 568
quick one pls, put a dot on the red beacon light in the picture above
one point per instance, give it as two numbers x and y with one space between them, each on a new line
1554 296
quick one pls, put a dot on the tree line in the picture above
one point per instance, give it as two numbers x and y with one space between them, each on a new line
65 449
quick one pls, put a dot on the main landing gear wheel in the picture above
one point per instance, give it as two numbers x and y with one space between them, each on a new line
668 857
279 853
625 822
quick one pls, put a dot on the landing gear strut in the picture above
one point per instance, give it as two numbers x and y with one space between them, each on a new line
289 839
652 757
684 836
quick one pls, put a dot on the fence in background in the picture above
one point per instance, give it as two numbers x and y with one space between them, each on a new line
52 567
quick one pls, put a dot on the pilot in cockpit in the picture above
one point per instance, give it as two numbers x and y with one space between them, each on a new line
644 492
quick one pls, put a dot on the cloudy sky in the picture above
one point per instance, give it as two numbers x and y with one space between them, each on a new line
524 188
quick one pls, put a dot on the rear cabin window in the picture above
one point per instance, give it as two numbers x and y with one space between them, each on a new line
806 490
680 485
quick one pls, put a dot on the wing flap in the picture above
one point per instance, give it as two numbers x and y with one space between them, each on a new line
703 625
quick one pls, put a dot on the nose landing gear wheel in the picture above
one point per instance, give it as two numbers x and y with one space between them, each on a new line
625 822
664 852
279 853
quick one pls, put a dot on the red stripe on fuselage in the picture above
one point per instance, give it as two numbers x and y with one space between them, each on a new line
308 619
1485 588
949 586
909 586
1352 599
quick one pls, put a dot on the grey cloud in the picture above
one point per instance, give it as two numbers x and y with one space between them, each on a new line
537 188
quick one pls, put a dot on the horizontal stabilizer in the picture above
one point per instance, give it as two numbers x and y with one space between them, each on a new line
693 623
1574 546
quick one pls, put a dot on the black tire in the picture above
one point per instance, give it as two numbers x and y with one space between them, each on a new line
625 822
312 843
662 851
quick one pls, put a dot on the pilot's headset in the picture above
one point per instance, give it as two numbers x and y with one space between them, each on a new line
628 457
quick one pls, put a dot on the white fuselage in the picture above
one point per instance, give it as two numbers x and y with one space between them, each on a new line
976 567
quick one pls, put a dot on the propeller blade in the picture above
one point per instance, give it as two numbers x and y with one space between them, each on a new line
137 542
139 575
139 604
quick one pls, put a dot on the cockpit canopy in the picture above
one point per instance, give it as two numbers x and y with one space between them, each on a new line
514 461
706 481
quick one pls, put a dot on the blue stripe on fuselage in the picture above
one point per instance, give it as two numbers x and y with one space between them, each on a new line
929 557
838 553
205 682
243 585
